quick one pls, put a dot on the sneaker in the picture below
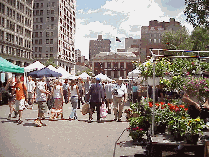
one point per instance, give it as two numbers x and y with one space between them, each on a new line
19 121
9 117
89 121
16 113
37 123
43 124
119 120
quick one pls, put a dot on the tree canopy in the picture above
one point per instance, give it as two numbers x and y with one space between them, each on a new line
197 12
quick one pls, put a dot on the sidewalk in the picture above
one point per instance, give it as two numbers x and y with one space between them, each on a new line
75 138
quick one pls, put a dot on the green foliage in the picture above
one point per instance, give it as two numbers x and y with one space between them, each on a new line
50 61
177 40
200 39
197 12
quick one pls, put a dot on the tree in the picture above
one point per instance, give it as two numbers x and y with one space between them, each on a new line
197 12
179 40
50 61
200 39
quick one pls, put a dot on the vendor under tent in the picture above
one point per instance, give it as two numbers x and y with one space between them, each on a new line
6 66
84 76
34 66
45 72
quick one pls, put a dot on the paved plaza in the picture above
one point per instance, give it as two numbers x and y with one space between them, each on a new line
75 138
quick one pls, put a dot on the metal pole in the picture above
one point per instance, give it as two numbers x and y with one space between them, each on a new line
153 107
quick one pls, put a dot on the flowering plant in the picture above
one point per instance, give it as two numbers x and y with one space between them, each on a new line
197 87
136 133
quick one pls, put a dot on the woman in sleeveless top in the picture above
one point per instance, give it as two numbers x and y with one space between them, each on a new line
58 101
74 93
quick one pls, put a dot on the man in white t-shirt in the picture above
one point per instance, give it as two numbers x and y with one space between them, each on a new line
31 91
41 96
119 98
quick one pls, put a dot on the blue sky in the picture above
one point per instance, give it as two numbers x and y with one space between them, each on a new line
121 18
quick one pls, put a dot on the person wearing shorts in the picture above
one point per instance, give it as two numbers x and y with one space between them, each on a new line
20 91
41 97
31 89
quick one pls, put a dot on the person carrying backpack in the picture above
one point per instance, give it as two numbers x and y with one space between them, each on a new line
96 97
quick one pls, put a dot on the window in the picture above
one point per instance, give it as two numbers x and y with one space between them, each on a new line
51 49
40 49
39 55
52 34
52 19
53 3
40 27
51 55
52 12
154 40
47 19
47 34
48 12
47 41
47 56
36 49
40 41
41 19
40 34
51 41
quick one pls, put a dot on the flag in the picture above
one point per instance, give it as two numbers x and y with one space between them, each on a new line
117 39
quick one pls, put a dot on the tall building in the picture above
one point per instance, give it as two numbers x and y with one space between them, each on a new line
16 31
77 55
97 46
151 35
54 31
133 45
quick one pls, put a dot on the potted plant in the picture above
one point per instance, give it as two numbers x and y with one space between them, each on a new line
192 128
137 133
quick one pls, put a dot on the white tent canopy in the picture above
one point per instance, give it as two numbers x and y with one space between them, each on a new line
53 68
103 77
34 66
84 75
64 73
135 73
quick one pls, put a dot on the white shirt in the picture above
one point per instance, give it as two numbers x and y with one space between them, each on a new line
30 86
121 89
39 95
57 92
74 91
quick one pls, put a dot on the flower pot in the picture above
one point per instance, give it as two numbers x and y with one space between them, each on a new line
177 136
191 139
161 128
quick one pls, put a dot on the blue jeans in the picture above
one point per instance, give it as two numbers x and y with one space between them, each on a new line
74 102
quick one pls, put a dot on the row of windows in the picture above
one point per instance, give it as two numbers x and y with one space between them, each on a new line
11 13
50 19
38 5
15 52
154 40
38 20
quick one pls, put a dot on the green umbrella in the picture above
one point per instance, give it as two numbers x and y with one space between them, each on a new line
6 66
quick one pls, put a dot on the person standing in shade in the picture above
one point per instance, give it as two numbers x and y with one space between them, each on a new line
119 98
74 94
20 89
96 97
66 90
31 89
41 98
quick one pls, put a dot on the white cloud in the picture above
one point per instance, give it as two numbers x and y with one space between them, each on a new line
121 18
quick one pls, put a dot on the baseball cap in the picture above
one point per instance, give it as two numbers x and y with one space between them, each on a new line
98 79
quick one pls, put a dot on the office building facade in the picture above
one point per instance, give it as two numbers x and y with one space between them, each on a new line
54 32
16 26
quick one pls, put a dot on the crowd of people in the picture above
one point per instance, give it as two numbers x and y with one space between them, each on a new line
49 95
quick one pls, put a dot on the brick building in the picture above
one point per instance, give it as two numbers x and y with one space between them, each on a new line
151 35
114 65
97 46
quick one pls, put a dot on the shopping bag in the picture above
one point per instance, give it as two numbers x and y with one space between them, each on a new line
103 111
85 109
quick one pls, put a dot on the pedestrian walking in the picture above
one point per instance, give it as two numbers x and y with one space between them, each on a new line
58 101
87 85
66 90
31 91
41 98
109 97
81 89
21 94
119 98
96 98
7 90
74 94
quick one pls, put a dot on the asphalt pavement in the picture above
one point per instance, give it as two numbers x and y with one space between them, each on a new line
64 138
